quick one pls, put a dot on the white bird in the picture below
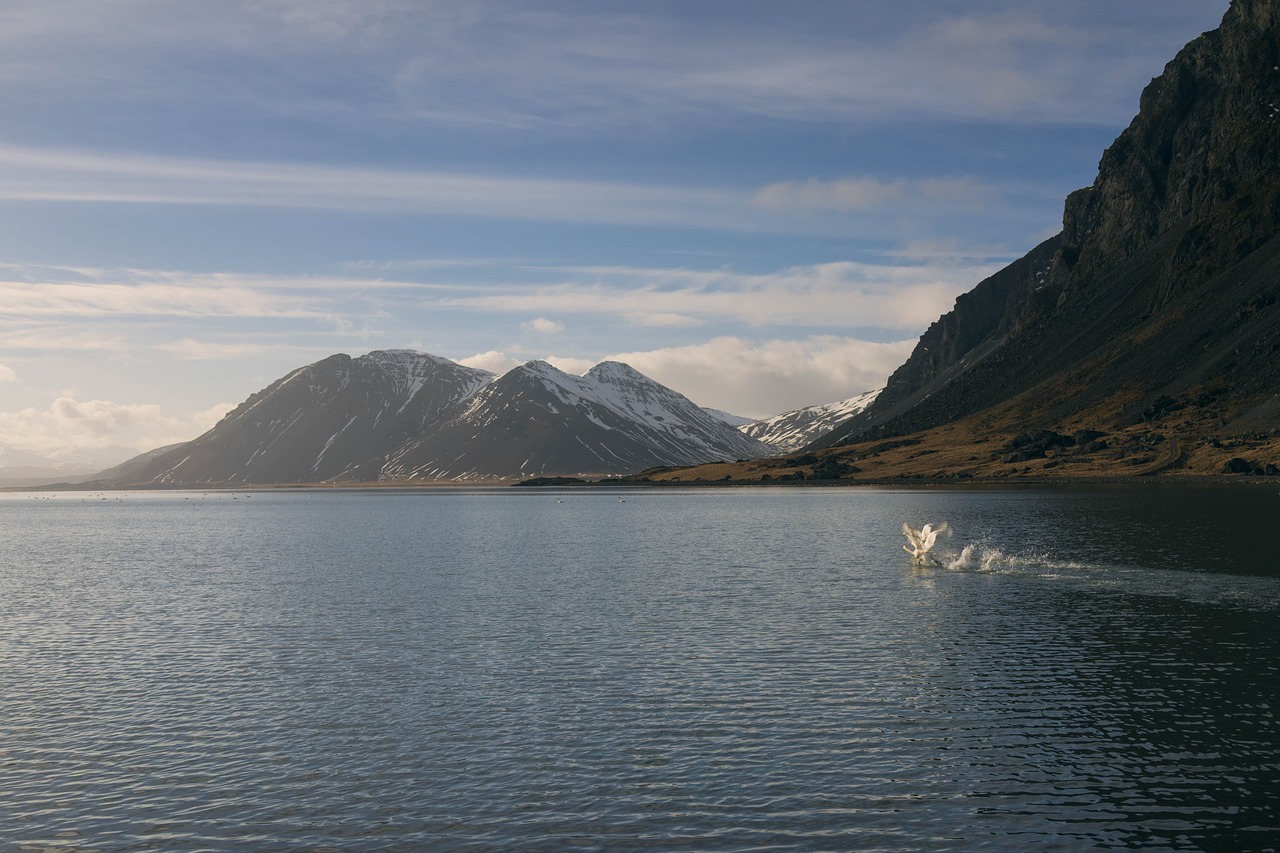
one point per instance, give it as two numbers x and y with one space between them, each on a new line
922 541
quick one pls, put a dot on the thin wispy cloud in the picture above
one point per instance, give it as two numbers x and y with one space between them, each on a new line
205 350
871 193
80 176
570 66
899 296
846 293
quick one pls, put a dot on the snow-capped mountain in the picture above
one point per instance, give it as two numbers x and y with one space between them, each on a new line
402 415
322 420
791 431
728 417
537 420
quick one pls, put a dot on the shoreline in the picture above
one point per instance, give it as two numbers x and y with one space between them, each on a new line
1011 482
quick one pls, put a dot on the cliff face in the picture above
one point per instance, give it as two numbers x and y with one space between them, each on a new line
982 319
1162 284
1202 150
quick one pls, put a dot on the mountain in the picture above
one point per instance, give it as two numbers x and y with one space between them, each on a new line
728 417
536 420
322 420
793 430
1157 308
401 415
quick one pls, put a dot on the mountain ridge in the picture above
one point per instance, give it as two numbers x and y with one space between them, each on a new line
797 428
400 415
1163 272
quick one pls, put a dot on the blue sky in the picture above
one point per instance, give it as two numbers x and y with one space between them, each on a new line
759 204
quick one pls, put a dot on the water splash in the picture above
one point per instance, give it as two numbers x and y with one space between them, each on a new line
979 558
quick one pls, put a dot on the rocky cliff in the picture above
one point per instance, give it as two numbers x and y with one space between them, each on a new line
1163 284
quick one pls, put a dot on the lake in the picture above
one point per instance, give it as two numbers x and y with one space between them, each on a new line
719 669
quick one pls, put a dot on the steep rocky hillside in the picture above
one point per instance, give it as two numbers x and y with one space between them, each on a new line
1159 303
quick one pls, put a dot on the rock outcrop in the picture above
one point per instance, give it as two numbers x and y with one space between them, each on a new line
1164 282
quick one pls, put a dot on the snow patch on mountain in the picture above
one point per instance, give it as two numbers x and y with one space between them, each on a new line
793 430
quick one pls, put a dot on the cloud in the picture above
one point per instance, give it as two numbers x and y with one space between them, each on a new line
69 425
571 364
498 65
753 379
191 315
863 194
199 350
198 299
846 293
40 174
543 326
770 377
7 374
935 251
222 316
492 361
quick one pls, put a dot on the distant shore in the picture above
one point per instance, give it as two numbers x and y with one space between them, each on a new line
1011 482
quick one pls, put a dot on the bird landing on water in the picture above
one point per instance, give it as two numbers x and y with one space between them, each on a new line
922 542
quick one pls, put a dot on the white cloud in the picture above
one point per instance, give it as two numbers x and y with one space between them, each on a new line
96 300
7 374
206 419
571 364
753 379
543 326
768 378
848 294
69 425
492 361
40 174
200 350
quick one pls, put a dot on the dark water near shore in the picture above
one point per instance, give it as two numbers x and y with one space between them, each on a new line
710 670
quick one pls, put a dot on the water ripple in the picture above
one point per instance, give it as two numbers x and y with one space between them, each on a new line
725 670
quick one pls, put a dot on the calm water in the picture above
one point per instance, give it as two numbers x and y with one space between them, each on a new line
711 670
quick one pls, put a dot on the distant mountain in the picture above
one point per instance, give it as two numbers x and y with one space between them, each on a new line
728 417
1158 306
322 420
403 415
23 468
793 430
536 420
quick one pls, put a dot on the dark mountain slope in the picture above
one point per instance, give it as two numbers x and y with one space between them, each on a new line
320 420
1161 293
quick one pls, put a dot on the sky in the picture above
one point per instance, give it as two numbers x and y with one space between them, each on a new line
760 204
